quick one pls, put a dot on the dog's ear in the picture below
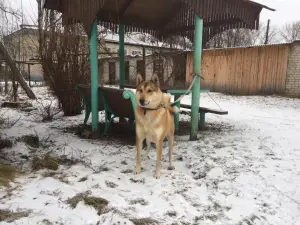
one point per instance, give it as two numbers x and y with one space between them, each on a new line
139 79
155 79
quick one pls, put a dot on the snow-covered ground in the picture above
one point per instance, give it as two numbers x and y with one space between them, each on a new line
244 169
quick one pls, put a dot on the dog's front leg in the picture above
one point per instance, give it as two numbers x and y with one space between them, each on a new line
158 159
139 145
147 149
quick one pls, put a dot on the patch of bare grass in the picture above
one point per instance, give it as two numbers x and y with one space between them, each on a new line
58 176
144 221
98 203
140 201
10 217
5 143
45 162
31 140
7 174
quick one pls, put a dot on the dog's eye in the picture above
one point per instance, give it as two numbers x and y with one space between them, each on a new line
140 90
149 91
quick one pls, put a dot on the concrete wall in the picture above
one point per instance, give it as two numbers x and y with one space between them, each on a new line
292 87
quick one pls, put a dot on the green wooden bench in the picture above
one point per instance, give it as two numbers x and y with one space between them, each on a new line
114 102
203 111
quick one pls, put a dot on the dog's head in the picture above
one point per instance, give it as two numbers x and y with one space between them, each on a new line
148 93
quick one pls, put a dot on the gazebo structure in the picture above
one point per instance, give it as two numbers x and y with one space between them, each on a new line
199 20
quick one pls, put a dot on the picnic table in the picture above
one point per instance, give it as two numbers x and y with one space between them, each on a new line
122 103
177 92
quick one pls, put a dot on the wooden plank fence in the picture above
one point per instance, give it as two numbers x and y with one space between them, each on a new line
243 71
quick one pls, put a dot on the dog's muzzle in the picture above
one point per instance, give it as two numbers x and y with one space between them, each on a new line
142 102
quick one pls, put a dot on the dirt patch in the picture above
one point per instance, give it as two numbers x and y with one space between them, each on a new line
111 184
137 180
140 201
98 203
27 107
11 105
83 179
10 217
171 213
127 171
5 143
118 134
46 222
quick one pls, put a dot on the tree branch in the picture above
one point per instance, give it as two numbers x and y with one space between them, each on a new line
6 10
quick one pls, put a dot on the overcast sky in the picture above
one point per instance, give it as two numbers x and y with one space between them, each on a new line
286 10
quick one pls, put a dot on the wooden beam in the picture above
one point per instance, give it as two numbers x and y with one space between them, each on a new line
124 8
172 15
16 72
206 25
110 17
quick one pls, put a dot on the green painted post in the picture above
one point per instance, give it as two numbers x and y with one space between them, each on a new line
176 115
197 70
121 56
94 76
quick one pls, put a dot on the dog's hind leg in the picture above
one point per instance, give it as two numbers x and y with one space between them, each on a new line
171 145
147 149
158 159
139 145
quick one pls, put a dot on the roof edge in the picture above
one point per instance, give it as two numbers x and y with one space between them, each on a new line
261 5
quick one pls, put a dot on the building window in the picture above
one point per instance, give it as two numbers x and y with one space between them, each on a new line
158 68
135 52
125 51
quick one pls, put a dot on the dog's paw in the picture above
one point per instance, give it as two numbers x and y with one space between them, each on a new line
171 167
156 176
137 171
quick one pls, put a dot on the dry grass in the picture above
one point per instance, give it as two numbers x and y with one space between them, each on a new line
98 203
7 174
58 176
31 140
140 201
5 143
9 216
144 221
45 162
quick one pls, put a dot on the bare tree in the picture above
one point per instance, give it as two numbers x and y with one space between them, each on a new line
291 31
64 55
243 37
5 9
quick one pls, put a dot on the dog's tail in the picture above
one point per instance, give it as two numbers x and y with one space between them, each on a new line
173 109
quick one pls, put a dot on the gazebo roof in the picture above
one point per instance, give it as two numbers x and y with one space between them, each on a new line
161 18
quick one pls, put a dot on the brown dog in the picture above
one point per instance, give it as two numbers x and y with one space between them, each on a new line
154 121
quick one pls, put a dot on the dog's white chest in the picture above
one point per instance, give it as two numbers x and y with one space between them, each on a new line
151 127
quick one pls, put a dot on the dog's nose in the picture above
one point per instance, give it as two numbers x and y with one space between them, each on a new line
142 101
